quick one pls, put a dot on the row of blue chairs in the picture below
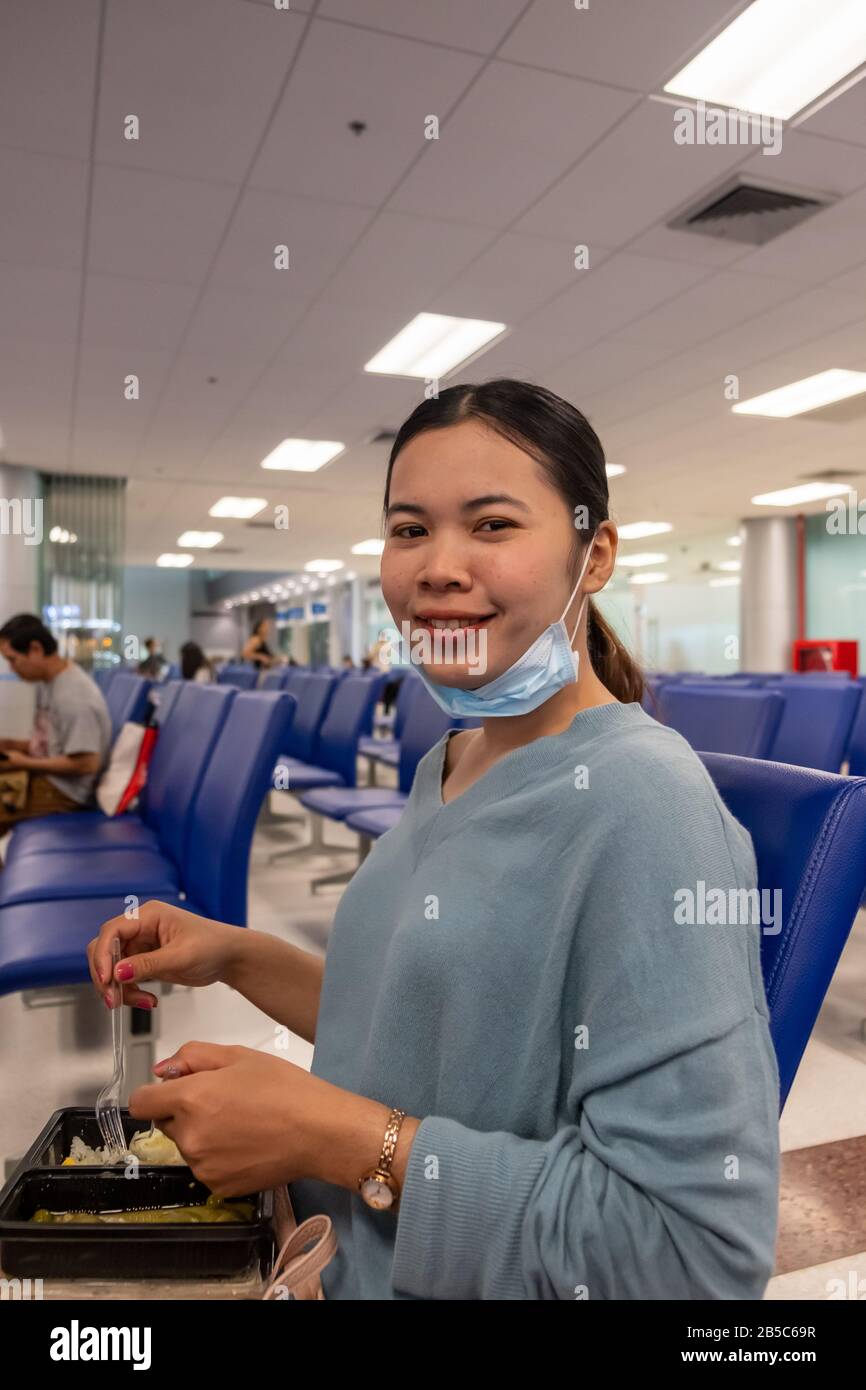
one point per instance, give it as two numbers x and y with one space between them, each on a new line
210 772
808 723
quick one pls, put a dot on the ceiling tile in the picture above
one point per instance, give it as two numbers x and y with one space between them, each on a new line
345 74
513 118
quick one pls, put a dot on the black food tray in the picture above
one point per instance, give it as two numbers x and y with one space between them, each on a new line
53 1143
164 1251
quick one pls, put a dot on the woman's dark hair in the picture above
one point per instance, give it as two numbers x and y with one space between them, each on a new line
564 444
260 622
25 628
192 658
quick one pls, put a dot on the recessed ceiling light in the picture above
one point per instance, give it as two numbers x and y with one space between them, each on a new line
200 540
778 56
323 566
724 583
639 530
614 470
809 394
648 557
241 507
370 547
732 565
172 561
650 577
303 455
804 492
734 540
431 345
254 595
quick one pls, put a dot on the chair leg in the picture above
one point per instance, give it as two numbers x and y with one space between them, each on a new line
316 845
333 879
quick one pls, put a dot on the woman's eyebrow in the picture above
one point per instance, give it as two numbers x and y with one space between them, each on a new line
490 499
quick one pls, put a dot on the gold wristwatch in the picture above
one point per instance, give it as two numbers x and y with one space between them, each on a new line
379 1188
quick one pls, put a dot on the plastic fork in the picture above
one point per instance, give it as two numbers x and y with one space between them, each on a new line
108 1100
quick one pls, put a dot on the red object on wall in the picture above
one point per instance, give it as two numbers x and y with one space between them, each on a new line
824 654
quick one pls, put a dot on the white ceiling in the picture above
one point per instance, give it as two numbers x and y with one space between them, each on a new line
156 257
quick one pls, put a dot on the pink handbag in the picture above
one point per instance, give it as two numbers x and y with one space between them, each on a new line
296 1269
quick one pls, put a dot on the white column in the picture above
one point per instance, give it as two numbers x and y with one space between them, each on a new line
768 592
20 547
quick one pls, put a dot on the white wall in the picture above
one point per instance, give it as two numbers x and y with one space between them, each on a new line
156 603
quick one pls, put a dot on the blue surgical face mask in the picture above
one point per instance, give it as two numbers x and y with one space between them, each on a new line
543 669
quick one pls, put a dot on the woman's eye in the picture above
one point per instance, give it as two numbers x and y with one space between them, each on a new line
399 532
497 522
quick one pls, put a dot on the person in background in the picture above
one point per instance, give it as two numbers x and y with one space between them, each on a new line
153 662
348 663
194 665
56 769
256 647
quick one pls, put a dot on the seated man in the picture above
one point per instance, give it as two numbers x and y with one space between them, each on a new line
57 768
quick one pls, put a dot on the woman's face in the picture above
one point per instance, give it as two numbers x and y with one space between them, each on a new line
264 629
475 531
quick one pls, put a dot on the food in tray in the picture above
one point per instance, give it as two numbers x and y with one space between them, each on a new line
215 1211
151 1148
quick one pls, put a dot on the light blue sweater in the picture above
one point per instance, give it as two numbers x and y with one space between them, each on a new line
597 1084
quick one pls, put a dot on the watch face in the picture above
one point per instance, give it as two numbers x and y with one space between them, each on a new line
377 1194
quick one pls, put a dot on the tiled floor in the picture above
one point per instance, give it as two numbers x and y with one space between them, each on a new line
60 1056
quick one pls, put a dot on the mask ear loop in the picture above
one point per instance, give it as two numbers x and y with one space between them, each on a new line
584 568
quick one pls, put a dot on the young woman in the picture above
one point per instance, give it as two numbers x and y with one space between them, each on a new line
580 1094
256 648
194 665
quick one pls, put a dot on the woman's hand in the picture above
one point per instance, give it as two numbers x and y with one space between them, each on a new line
247 1120
162 943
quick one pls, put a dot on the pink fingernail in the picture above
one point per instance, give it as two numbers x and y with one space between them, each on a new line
106 999
124 971
145 1004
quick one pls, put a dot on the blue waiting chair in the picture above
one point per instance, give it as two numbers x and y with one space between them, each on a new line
387 750
816 725
127 698
809 833
371 811
242 677
275 679
44 944
740 722
180 758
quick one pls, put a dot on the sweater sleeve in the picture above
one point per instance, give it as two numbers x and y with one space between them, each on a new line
661 1180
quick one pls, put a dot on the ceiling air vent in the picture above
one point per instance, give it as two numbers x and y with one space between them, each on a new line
748 212
382 436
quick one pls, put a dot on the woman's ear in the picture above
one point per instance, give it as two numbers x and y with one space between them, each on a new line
604 548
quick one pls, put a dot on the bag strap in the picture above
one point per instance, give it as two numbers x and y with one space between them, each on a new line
296 1269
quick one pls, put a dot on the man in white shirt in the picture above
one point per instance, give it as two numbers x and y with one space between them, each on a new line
57 768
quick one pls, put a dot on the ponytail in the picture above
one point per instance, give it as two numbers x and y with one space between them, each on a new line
612 663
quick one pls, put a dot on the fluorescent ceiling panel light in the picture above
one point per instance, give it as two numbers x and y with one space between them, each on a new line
240 507
809 394
639 530
614 470
804 492
729 565
648 557
370 547
651 577
734 540
323 566
172 561
723 583
303 455
778 56
431 345
200 540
